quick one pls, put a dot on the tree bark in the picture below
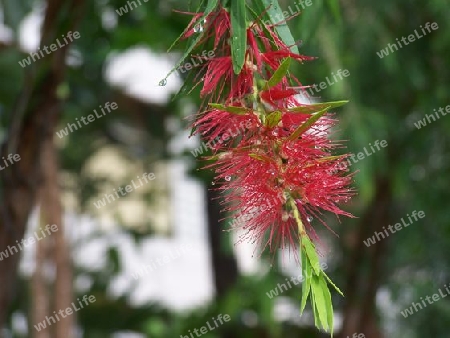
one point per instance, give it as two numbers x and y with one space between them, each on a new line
40 306
52 211
37 105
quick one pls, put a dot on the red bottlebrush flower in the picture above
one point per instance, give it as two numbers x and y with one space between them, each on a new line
264 55
271 153
275 94
262 173
216 24
261 165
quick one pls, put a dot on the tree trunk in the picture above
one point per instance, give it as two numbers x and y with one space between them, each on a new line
29 130
52 212
40 306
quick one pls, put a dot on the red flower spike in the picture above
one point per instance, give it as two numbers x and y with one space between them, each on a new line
271 153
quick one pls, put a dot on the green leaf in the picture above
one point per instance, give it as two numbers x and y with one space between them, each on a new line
230 109
315 310
273 119
260 157
307 273
239 34
319 301
328 302
315 107
187 87
331 282
282 28
279 74
307 124
334 7
310 250
259 6
330 158
212 4
198 8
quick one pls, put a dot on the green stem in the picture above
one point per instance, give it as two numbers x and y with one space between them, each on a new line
301 227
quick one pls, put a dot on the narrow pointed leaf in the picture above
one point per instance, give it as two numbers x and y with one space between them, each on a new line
331 282
307 273
275 12
311 253
239 34
260 157
212 4
317 322
259 17
230 109
315 107
307 124
330 158
328 302
279 74
320 302
190 6
187 27
273 119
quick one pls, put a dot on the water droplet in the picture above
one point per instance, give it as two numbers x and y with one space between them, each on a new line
163 82
309 219
198 28
228 178
271 172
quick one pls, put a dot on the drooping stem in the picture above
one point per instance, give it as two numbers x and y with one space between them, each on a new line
301 227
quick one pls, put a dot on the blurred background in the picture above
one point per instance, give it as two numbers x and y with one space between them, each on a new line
156 258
